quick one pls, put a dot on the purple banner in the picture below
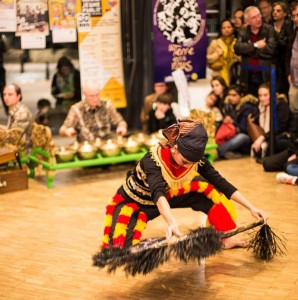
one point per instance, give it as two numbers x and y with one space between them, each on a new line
180 38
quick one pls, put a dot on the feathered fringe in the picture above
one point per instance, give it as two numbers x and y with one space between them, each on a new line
266 244
200 243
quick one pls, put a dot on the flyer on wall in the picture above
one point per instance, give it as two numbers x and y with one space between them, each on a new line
32 17
63 20
8 19
100 49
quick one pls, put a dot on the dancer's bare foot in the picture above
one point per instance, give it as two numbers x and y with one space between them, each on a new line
233 242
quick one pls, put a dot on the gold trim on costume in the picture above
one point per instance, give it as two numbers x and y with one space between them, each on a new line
135 197
172 180
141 175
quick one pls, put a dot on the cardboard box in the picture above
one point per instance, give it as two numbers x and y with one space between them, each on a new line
13 179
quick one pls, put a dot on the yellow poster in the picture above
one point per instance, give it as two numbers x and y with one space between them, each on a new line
62 14
100 48
63 20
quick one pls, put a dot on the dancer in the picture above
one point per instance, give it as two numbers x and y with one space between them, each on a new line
166 178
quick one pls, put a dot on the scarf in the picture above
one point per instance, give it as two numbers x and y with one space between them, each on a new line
264 119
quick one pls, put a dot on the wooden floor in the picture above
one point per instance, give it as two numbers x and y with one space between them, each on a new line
49 236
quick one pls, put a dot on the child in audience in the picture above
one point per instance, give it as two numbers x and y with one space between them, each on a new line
43 109
161 114
237 107
210 106
220 89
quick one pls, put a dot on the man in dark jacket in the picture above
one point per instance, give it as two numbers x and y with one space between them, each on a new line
256 44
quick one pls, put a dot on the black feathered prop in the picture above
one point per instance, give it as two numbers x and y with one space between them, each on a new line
197 244
266 244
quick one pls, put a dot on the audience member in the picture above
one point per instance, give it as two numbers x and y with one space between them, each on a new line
220 89
238 20
286 160
265 7
48 116
236 110
292 63
256 44
260 146
19 115
2 71
220 52
286 178
161 114
92 117
159 88
66 87
43 109
210 106
283 28
292 4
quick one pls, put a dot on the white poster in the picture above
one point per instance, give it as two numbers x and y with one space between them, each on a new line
100 50
67 35
34 41
8 18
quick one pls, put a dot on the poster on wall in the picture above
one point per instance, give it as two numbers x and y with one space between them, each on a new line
92 7
180 38
34 41
100 50
32 17
8 16
63 20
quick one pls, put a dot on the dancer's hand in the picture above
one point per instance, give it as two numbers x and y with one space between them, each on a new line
258 213
173 229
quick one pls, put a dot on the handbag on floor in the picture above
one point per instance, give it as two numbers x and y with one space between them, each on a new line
253 130
224 133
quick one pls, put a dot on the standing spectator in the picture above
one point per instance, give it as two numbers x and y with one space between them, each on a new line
92 117
222 50
66 86
283 29
237 107
292 63
159 89
220 89
293 4
161 114
256 44
2 71
238 20
265 7
283 122
19 115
